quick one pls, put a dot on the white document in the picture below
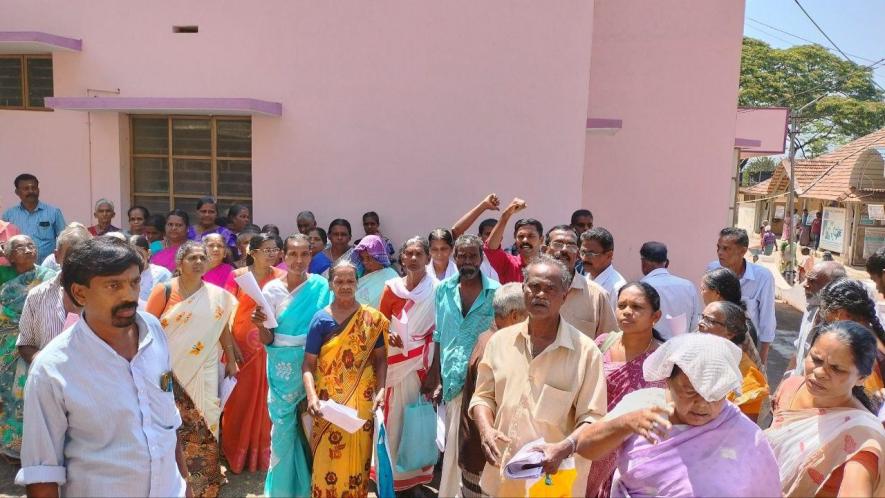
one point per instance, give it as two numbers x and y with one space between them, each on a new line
401 329
441 427
250 286
526 463
227 387
678 324
342 416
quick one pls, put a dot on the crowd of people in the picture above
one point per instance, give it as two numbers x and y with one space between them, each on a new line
139 361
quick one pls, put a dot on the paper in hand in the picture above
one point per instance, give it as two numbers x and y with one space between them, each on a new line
250 286
227 387
340 415
526 463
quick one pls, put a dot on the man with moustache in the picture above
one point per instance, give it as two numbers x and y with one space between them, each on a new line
463 311
527 232
541 378
100 418
38 220
819 277
587 306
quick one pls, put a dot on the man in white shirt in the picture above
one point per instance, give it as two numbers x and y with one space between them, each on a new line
757 284
680 300
100 417
819 277
597 252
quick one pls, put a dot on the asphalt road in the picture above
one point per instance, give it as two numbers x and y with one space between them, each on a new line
247 484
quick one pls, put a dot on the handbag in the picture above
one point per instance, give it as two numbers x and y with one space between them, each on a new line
419 428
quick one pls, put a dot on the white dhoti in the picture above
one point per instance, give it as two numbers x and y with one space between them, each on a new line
450 481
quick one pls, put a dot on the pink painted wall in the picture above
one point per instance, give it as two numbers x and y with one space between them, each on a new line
670 71
768 125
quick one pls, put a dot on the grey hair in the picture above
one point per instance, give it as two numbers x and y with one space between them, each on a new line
297 237
466 240
508 299
101 201
306 215
210 235
116 235
735 320
13 242
72 235
543 259
185 248
416 241
341 263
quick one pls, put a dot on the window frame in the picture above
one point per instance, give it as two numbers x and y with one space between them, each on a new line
170 158
24 80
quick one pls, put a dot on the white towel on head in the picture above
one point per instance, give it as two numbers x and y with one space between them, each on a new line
710 362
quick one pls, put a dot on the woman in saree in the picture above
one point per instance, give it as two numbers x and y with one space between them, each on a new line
410 304
207 215
685 439
345 361
340 235
295 298
238 218
176 234
624 352
195 317
218 267
7 231
246 423
373 268
23 275
729 321
825 435
319 263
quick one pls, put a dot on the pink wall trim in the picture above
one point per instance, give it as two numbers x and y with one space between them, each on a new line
167 104
604 123
39 37
747 142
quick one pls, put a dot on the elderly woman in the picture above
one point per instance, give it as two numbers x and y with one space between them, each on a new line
373 268
729 321
295 298
410 304
152 274
624 353
176 234
195 317
246 423
686 439
218 268
104 215
21 276
7 231
345 361
825 435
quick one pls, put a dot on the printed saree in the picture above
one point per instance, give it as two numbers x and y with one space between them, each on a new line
344 374
13 369
289 473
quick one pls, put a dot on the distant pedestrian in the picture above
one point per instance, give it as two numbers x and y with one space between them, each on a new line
769 241
815 229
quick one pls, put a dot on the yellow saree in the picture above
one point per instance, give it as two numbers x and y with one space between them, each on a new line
344 374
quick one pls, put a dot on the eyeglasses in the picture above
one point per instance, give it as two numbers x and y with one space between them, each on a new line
563 246
270 251
25 248
590 254
702 318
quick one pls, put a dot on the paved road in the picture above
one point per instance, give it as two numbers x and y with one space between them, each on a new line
246 484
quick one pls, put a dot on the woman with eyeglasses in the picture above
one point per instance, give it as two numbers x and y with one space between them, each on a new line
729 321
246 422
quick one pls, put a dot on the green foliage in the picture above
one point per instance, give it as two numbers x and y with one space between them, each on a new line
758 169
792 77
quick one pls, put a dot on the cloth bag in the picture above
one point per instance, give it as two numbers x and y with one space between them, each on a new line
383 467
419 425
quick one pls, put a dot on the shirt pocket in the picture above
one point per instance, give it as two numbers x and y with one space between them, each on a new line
552 405
164 412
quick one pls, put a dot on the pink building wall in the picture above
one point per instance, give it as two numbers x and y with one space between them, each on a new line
414 110
670 71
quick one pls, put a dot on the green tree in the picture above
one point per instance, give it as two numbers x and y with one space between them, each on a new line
756 169
852 105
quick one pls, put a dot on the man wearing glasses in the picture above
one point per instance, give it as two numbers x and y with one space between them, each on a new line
680 300
597 252
586 306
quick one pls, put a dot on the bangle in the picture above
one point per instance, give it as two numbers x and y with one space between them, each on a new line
574 443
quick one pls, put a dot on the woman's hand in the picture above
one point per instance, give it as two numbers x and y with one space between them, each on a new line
490 438
231 369
258 316
651 423
396 341
313 407
238 355
554 454
378 402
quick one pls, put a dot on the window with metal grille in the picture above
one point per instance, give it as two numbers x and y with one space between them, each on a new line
24 81
178 159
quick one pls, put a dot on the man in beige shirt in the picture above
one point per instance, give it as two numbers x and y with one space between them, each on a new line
587 306
541 378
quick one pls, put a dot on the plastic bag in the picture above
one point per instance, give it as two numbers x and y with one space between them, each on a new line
419 429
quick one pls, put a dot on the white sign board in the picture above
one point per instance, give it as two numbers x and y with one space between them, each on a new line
873 239
832 229
876 211
747 216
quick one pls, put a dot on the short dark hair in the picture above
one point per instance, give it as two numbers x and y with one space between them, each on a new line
488 222
255 243
26 177
601 236
373 215
322 234
738 234
529 222
202 201
139 241
653 251
143 209
271 229
98 257
876 262
181 213
341 222
235 209
443 234
157 221
561 228
580 212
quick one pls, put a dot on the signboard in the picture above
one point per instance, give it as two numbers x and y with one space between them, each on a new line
779 211
876 211
873 239
747 216
832 229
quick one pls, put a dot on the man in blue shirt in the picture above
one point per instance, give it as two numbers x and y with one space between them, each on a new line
36 219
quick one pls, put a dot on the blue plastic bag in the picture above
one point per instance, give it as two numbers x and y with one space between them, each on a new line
383 468
417 448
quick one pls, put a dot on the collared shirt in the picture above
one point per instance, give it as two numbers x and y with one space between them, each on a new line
587 308
678 297
757 292
42 225
456 332
611 281
97 424
508 266
803 341
546 396
43 315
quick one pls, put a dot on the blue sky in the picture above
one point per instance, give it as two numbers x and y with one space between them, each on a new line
857 26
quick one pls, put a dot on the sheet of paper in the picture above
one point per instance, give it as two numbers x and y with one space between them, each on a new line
401 329
70 320
342 416
441 427
678 324
227 387
526 463
250 286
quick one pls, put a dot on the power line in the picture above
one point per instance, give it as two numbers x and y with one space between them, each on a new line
769 26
